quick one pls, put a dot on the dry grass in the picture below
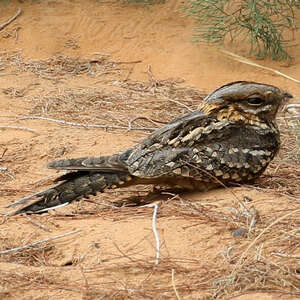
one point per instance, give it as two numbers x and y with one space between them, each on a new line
16 283
117 105
57 67
32 256
283 174
130 104
113 100
292 132
266 258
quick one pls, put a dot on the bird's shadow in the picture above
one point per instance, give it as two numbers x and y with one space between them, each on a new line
149 197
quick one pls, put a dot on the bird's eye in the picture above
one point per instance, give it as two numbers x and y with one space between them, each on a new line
255 101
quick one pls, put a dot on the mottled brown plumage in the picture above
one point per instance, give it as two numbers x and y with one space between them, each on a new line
231 138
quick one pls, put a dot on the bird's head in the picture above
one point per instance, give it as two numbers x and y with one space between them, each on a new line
251 102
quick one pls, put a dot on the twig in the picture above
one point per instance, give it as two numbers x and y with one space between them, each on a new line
124 254
139 118
129 73
18 128
37 224
128 62
222 184
4 219
84 277
155 205
241 259
174 286
285 255
251 187
293 109
39 242
101 53
2 26
152 78
7 74
288 117
251 63
181 104
4 151
86 125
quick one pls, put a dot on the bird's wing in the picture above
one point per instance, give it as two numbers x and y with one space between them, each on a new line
200 146
173 146
177 128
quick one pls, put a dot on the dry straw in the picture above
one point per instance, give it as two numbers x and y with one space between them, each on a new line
265 259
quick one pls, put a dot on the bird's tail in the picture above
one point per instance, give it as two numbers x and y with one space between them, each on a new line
74 185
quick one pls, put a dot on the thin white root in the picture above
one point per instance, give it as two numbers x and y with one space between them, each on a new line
87 125
155 205
2 26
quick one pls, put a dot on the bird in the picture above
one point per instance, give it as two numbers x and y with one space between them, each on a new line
230 138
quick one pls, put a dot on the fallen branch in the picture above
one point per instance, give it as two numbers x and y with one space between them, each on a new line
2 26
87 125
39 242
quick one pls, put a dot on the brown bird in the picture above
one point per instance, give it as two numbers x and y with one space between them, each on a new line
231 138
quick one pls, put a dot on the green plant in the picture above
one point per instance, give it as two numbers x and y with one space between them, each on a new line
262 22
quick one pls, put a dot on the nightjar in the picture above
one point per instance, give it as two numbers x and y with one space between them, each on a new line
231 138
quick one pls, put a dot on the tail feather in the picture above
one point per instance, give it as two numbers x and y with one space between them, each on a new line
75 186
101 163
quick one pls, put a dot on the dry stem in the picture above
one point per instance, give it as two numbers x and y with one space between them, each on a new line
87 125
39 242
2 26
18 128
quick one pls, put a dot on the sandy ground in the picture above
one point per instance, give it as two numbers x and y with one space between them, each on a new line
107 63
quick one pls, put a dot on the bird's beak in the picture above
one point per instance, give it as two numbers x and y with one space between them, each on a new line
287 95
